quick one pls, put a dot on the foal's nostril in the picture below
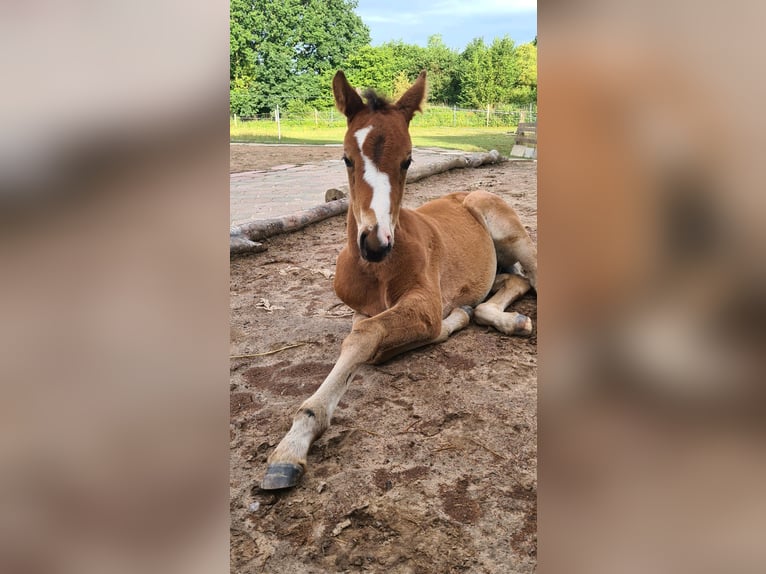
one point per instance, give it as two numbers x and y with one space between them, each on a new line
371 248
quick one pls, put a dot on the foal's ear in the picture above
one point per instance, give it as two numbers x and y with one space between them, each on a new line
346 98
410 101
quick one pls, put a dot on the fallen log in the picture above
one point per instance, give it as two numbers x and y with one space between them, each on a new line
418 172
244 235
239 243
245 238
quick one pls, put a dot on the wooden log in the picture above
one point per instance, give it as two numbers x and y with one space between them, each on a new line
263 228
416 172
238 243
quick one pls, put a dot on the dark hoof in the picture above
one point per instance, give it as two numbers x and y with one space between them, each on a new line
281 475
468 310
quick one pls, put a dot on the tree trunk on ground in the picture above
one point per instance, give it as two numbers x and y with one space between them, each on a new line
250 233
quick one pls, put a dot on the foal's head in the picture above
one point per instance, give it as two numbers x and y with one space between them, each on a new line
377 153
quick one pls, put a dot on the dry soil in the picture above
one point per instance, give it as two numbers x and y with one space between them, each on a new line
430 463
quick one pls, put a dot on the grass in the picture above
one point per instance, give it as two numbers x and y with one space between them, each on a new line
466 139
460 138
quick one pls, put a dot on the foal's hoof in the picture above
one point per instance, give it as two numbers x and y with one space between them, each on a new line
523 325
281 475
468 311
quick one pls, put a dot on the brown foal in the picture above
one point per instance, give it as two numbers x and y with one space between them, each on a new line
413 277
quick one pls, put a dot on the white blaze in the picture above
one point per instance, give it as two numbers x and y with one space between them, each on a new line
381 189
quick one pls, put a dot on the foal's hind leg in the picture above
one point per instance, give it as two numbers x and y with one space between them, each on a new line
492 312
512 244
511 240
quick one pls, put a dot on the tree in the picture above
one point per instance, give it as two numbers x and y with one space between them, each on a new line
436 58
372 67
503 69
286 49
476 87
442 64
401 84
242 25
498 74
525 86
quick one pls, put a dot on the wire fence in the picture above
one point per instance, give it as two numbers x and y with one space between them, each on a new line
433 116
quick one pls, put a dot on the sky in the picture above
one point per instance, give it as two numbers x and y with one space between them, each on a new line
458 21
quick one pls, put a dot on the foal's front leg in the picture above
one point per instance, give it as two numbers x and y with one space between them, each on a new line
410 323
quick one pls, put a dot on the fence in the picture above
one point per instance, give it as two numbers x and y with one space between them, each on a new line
433 116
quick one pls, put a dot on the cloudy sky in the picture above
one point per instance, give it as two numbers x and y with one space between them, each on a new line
458 21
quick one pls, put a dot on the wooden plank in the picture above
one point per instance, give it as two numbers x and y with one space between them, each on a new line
526 133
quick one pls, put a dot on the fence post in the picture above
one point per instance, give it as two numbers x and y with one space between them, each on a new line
487 115
454 116
316 118
279 125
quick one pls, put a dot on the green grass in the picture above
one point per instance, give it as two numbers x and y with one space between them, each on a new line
460 138
466 139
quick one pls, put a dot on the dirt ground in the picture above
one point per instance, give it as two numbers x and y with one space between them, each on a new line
430 463
247 157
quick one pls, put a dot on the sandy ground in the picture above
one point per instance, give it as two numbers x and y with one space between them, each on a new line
247 157
430 464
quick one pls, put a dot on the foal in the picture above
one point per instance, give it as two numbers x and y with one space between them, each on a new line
412 277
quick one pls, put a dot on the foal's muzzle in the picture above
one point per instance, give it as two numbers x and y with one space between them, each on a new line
373 249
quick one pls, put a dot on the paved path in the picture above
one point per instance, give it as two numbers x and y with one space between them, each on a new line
283 190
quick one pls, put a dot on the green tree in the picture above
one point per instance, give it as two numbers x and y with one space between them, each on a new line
503 69
436 58
407 57
497 74
372 67
442 64
242 25
525 87
401 85
476 87
287 49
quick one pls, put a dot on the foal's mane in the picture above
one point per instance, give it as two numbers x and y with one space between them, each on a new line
375 101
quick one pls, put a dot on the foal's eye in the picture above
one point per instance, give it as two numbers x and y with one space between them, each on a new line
406 163
347 161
